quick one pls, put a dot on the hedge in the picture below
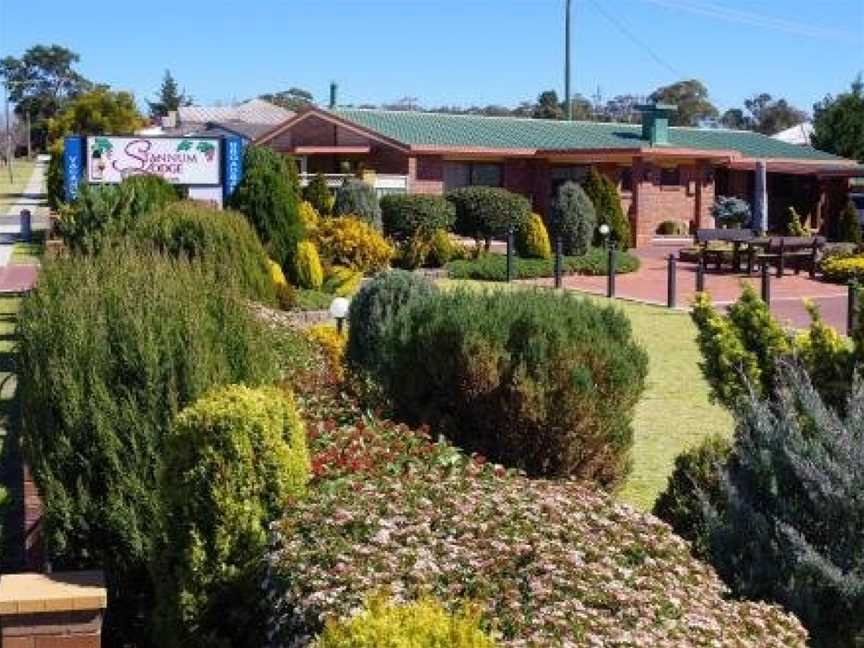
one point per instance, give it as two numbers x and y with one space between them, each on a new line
407 215
486 212
493 267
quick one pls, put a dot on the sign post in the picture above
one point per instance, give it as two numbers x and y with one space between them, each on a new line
232 163
73 166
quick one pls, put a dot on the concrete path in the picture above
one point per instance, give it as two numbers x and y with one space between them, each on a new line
648 285
19 278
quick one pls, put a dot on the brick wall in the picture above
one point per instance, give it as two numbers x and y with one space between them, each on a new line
426 174
52 630
34 548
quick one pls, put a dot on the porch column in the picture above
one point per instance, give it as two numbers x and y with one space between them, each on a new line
760 199
704 195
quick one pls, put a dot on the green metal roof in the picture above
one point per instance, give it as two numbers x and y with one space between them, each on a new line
438 129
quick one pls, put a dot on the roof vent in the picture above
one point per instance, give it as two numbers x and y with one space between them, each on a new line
655 122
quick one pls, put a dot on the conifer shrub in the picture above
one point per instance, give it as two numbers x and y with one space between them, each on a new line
234 461
406 216
373 310
101 212
789 526
332 343
111 347
309 217
55 188
532 240
573 218
849 225
486 212
224 241
607 206
357 198
351 242
419 624
308 271
443 250
277 277
317 194
541 382
693 486
342 281
268 196
730 211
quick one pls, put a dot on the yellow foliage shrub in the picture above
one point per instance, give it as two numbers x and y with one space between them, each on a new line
332 342
342 281
308 270
308 216
533 240
276 274
350 242
843 269
421 624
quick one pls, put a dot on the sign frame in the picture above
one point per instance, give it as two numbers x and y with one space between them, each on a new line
217 142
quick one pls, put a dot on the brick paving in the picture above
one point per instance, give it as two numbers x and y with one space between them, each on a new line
648 285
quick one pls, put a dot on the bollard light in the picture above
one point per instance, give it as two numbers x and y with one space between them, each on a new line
339 310
604 229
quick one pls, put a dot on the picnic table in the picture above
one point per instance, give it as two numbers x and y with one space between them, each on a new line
799 250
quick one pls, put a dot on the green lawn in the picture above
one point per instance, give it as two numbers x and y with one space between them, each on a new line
674 412
10 192
27 253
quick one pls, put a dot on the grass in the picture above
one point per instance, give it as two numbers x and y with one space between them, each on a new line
311 300
674 412
11 192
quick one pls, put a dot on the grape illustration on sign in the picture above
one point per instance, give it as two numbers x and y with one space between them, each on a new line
188 161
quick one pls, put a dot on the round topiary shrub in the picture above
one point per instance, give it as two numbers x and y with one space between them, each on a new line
224 241
532 240
693 484
373 310
407 215
357 198
485 212
234 461
307 270
542 382
420 624
573 218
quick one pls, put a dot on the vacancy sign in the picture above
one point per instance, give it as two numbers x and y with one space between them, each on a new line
179 160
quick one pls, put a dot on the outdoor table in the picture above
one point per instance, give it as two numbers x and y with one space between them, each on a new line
761 242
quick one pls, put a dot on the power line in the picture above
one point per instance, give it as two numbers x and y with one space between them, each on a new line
635 39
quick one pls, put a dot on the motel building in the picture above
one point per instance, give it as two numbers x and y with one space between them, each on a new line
662 172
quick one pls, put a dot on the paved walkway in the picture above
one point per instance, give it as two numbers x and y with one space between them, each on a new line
18 278
648 284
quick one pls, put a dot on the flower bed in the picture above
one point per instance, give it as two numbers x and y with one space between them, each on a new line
549 563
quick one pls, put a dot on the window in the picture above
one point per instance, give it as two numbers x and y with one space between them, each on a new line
467 174
670 177
626 179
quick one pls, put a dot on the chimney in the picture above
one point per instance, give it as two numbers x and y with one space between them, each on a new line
333 89
655 122
169 120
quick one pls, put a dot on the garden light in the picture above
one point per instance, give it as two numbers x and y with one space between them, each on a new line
604 229
339 310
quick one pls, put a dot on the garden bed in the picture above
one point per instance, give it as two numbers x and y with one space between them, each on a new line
493 267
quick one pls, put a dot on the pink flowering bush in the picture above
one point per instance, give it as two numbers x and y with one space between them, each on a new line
548 563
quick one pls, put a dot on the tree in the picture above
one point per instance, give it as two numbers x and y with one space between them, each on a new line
838 124
573 218
40 83
548 106
292 99
622 108
770 116
97 112
169 98
607 206
735 118
691 98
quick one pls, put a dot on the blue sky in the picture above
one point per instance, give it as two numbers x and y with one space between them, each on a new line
452 51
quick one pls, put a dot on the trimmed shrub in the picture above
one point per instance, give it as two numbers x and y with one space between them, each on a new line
341 281
443 250
317 193
848 225
308 216
222 240
532 240
308 270
693 486
672 228
843 269
537 381
372 312
573 218
549 562
234 461
350 242
268 196
420 624
277 277
333 344
729 211
493 267
101 212
789 529
406 216
607 206
485 212
357 198
110 348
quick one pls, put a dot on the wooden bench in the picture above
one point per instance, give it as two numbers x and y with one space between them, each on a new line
782 250
734 236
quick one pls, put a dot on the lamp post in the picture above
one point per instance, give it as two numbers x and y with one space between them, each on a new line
605 232
339 311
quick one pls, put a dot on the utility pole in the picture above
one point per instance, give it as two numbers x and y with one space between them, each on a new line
29 139
567 61
8 135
